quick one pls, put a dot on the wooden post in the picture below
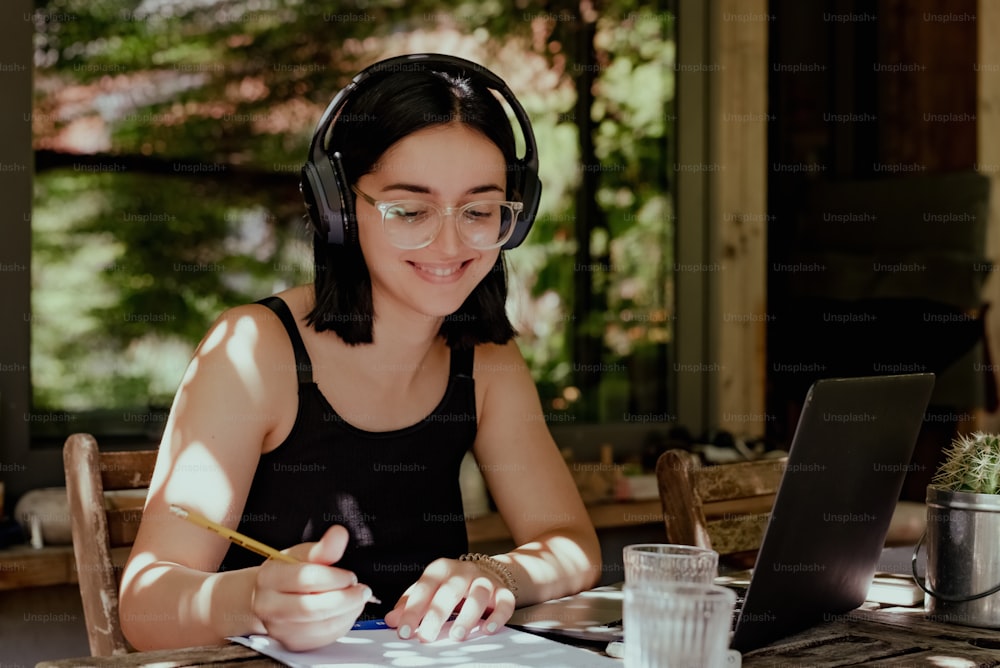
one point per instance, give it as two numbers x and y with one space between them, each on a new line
988 163
741 230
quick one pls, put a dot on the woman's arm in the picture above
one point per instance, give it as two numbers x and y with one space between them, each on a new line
232 403
558 552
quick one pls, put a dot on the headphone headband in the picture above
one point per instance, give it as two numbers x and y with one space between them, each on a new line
324 184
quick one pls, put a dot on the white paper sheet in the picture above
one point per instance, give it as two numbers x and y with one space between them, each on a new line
383 648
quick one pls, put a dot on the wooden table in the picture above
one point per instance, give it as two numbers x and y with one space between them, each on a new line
869 636
886 636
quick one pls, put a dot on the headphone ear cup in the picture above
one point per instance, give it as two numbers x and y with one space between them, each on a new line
326 208
307 186
531 195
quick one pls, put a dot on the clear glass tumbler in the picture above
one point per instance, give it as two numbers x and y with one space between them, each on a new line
664 562
677 625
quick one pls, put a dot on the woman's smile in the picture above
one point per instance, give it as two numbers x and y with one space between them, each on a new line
440 273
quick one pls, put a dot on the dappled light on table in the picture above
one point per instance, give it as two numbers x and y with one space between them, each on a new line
381 648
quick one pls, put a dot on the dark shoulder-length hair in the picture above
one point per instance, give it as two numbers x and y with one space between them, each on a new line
379 114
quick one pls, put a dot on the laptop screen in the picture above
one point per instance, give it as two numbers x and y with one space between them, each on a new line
850 453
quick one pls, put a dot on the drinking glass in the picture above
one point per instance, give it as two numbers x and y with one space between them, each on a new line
677 624
664 562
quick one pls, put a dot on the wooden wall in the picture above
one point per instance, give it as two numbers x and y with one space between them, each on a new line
938 110
927 106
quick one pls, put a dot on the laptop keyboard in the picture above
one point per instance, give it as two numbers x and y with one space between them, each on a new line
741 596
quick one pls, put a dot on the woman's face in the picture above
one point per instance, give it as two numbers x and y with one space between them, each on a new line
447 165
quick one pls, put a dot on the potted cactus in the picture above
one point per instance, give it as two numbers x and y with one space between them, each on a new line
963 534
972 464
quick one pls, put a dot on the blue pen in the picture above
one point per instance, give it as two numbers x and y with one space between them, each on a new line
376 624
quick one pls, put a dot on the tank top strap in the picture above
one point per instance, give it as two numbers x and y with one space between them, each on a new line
461 361
303 365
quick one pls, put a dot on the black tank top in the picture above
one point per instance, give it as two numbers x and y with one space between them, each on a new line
395 492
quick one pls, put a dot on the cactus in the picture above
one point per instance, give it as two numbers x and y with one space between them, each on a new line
972 464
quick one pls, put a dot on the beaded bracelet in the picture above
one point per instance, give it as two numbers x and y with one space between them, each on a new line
494 566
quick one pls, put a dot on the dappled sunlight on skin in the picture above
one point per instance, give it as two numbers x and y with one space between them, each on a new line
196 472
198 606
207 601
214 339
576 558
247 333
538 559
190 473
172 433
197 467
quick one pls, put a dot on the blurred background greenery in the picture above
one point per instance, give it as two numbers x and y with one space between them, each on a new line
169 136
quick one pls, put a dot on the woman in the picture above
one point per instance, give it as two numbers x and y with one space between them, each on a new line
330 421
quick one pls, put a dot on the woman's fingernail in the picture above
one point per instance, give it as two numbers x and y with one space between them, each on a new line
457 632
491 627
405 631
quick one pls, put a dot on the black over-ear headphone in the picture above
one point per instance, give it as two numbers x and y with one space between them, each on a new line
324 184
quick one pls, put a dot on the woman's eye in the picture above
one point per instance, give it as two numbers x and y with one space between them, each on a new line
408 213
480 212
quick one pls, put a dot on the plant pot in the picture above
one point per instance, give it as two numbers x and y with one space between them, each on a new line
963 573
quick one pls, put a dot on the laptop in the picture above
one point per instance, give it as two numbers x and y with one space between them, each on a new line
846 465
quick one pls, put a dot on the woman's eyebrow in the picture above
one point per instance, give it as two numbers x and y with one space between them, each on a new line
415 188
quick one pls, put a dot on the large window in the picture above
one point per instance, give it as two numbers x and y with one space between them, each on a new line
168 136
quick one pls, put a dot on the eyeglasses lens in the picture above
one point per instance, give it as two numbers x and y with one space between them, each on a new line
481 225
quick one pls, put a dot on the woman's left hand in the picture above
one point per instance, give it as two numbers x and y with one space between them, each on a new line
447 585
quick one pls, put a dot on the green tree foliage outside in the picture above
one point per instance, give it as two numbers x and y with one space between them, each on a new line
169 135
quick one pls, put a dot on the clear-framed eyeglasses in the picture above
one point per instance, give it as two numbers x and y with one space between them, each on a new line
412 223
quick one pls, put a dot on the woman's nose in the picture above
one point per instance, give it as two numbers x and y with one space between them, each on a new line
449 241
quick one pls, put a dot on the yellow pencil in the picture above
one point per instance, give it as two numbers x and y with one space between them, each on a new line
233 536
239 539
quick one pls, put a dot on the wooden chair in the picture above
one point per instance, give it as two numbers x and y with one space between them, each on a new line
104 527
723 507
726 507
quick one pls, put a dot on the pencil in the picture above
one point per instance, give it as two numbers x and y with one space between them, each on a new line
233 536
238 538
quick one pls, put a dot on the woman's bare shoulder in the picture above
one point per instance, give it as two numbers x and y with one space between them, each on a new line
249 329
494 360
247 350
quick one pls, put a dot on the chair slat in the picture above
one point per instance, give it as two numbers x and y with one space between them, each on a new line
737 534
123 525
127 469
741 480
724 507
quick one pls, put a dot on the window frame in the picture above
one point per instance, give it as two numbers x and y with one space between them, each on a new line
27 462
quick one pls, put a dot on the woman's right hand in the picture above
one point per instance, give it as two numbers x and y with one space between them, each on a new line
311 604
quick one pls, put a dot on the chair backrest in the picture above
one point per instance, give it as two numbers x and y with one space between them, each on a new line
724 507
104 527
